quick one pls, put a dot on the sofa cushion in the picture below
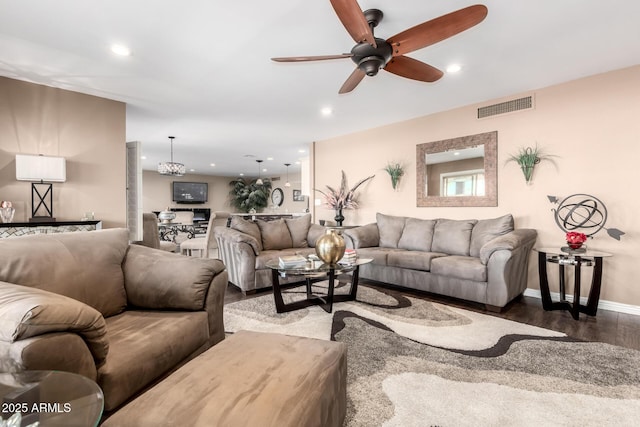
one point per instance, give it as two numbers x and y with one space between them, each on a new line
380 256
417 234
452 236
488 229
248 227
144 345
27 312
83 265
275 234
299 230
461 267
414 260
390 229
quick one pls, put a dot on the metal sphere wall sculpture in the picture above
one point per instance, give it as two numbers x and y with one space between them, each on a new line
583 213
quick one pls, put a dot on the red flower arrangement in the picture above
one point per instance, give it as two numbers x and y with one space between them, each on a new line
575 239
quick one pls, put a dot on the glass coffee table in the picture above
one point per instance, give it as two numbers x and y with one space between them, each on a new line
314 271
51 398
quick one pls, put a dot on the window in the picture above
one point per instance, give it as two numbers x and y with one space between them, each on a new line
463 183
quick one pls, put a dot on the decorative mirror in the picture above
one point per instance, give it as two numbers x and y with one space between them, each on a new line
458 172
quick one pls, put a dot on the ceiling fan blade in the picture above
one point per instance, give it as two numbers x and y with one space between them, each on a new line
437 29
413 69
354 79
354 21
311 58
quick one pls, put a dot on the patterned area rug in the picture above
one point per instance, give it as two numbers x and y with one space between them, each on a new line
417 363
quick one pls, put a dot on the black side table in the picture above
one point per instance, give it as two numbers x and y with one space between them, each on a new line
577 260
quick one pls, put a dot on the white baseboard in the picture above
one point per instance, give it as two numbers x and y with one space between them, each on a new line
602 304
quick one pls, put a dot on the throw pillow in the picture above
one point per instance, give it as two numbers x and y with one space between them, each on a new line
452 237
488 229
275 234
390 229
248 227
417 234
299 230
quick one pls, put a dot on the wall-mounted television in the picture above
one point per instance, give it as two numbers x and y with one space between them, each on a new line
190 192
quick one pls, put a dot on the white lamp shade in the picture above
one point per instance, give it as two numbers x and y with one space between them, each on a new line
40 168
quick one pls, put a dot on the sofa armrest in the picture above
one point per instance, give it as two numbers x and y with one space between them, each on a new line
510 241
27 312
365 236
156 279
56 351
233 236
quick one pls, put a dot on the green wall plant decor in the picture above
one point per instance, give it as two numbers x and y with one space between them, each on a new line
527 158
395 171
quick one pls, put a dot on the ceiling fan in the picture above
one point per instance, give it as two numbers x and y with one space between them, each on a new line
372 53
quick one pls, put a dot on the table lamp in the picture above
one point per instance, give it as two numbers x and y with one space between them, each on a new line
38 169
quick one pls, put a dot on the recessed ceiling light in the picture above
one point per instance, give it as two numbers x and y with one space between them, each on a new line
454 68
121 50
241 174
143 157
212 165
326 111
302 150
192 170
269 158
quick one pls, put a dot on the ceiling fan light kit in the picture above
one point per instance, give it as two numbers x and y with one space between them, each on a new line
371 54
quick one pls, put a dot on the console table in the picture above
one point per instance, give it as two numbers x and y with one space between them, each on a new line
577 260
14 229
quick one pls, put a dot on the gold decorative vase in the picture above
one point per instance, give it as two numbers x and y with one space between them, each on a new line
330 247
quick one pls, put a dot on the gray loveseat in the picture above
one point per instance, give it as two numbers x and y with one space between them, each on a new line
90 303
484 261
247 246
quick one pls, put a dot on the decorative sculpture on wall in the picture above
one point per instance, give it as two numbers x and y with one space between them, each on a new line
582 212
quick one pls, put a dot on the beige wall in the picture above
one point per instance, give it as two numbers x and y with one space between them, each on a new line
592 125
156 190
88 131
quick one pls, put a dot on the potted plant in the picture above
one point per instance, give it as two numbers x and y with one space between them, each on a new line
249 196
344 198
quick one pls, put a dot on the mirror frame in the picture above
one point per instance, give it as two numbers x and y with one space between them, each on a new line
490 141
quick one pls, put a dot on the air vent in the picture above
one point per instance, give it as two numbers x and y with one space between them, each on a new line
525 103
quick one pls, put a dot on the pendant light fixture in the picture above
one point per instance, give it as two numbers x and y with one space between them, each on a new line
171 168
287 184
259 180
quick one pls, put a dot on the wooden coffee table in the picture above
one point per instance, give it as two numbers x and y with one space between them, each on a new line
313 271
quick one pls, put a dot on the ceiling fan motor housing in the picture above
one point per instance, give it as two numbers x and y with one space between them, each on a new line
370 59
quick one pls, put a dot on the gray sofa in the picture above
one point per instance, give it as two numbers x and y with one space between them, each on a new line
484 261
247 246
90 303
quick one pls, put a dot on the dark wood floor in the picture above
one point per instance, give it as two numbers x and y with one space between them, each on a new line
607 326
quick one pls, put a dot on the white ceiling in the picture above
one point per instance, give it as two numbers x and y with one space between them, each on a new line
200 69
